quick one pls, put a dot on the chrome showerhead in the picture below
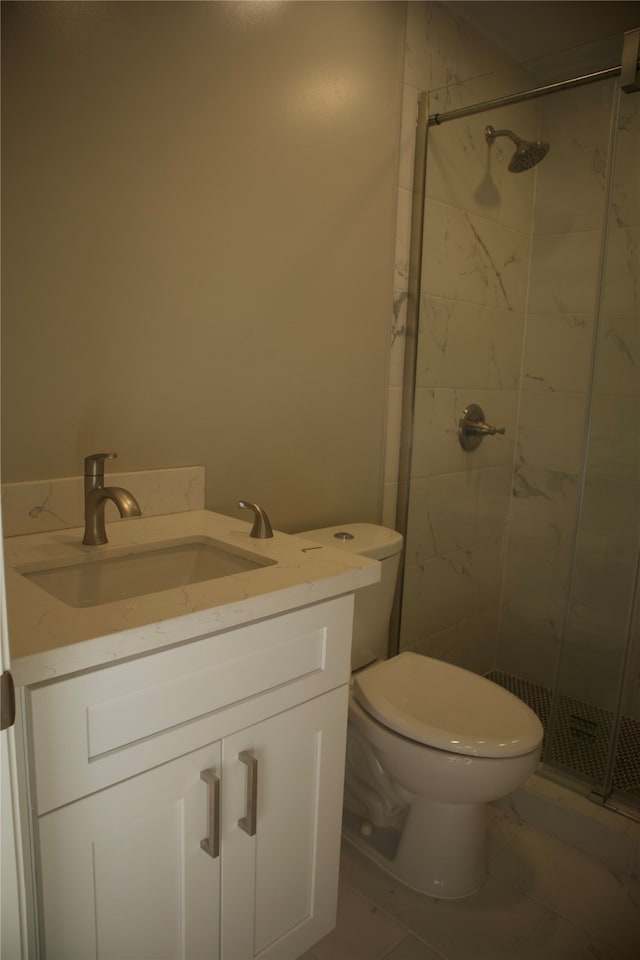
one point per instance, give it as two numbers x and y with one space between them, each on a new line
528 152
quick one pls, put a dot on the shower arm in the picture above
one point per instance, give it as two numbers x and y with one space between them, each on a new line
491 134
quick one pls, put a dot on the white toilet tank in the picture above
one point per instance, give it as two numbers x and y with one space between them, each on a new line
373 603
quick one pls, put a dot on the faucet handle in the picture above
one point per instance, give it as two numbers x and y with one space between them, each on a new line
261 529
94 464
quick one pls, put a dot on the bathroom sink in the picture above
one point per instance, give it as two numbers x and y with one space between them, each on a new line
121 576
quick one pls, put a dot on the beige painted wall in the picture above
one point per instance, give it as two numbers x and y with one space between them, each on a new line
198 227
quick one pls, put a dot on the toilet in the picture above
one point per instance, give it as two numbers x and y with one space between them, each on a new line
429 744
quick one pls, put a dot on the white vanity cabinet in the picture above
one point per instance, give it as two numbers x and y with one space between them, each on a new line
124 763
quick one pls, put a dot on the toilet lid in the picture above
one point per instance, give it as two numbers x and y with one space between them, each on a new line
446 707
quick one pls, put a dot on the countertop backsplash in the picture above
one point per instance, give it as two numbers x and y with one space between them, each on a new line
40 506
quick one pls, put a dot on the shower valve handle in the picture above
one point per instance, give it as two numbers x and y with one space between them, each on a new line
483 428
473 429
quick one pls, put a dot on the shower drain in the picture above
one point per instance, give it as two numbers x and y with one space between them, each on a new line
582 734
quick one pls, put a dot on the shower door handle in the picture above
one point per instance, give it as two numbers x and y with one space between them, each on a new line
472 427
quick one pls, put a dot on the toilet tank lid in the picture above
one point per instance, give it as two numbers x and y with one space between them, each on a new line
446 707
364 539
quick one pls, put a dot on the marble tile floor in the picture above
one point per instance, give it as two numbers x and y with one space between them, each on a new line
542 900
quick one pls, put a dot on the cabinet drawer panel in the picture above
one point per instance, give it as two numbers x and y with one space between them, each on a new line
93 730
130 717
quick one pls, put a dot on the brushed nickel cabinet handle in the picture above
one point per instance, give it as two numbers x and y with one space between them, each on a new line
248 823
211 843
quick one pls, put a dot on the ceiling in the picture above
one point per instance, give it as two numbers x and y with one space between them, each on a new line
528 29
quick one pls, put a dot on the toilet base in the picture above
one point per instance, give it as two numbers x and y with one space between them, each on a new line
442 849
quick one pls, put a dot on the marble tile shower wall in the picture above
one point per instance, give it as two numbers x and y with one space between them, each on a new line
440 49
472 321
508 316
564 279
507 320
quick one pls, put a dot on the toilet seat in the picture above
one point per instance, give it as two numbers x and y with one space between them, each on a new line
443 706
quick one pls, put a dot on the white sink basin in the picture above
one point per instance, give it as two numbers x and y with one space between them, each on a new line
121 576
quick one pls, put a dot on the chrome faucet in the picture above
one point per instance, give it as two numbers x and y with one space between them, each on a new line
96 496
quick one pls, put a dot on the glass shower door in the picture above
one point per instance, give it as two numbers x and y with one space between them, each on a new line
595 727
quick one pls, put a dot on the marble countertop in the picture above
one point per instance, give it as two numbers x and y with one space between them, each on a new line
50 639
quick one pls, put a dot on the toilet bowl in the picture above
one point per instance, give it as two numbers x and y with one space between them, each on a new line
429 744
451 742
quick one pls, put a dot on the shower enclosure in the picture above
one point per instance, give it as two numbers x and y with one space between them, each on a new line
523 547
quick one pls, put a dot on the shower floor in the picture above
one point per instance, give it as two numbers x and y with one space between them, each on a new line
582 736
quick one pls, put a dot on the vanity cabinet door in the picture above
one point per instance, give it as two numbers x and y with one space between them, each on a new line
123 874
280 885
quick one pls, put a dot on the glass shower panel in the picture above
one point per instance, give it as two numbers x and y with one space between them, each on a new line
522 555
597 704
567 232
